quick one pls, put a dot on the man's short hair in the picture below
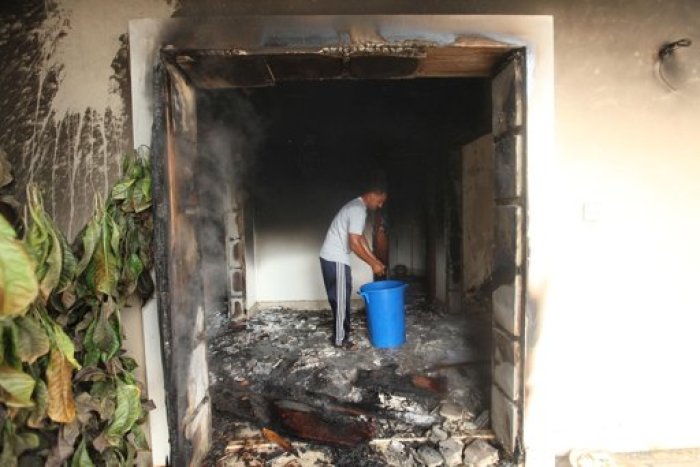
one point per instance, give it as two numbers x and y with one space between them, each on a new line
376 186
376 182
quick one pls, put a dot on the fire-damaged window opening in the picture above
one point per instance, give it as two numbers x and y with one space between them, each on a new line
259 151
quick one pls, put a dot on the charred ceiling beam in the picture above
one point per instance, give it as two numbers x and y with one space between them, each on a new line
233 68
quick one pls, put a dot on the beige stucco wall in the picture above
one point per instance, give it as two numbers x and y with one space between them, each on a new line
614 362
618 311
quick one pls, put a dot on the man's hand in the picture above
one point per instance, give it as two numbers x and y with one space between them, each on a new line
358 244
378 269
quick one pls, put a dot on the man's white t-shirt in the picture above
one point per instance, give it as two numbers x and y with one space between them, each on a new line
349 220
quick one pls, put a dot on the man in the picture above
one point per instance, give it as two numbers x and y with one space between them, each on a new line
345 236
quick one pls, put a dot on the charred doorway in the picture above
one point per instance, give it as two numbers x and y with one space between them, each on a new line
227 177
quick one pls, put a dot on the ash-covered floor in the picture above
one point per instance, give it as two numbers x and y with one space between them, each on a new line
425 403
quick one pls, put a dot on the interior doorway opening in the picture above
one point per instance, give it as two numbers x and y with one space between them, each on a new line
245 205
292 154
295 152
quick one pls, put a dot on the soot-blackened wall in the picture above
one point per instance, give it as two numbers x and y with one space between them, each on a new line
317 144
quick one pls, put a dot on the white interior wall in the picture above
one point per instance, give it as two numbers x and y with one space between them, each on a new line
407 238
287 267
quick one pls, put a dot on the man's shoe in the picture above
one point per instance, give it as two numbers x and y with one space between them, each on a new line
349 345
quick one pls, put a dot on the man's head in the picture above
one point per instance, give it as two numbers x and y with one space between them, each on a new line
375 196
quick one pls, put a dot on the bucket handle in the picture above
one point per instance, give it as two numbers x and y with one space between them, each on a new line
364 295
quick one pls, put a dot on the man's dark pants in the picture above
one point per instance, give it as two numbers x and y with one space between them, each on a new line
337 278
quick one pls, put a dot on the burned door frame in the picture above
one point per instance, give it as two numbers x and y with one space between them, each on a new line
178 265
149 37
509 269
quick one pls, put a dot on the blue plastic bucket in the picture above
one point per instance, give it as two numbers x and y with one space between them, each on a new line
385 312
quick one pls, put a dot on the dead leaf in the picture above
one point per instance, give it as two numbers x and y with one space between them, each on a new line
147 404
85 405
64 446
100 443
277 439
68 297
59 374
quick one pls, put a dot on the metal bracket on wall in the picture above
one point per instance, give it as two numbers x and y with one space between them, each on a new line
666 52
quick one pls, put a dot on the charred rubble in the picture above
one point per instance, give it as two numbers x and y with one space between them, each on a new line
421 404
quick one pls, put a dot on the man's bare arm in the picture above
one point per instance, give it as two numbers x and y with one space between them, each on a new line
359 246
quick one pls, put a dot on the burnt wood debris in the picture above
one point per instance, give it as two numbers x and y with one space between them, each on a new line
283 395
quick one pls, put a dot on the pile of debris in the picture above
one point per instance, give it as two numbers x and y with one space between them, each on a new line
436 449
422 404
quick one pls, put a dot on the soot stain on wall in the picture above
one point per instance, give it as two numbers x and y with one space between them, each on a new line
70 155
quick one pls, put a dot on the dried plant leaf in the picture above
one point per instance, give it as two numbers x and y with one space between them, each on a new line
105 336
138 438
69 264
68 297
7 456
125 415
81 458
85 405
41 396
54 261
122 189
90 373
100 443
65 345
64 446
133 267
141 195
115 236
58 337
38 237
91 357
25 441
15 443
80 295
91 237
17 387
112 457
31 341
6 230
54 258
18 284
102 272
61 406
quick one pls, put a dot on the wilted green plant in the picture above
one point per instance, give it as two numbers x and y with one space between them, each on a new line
67 391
